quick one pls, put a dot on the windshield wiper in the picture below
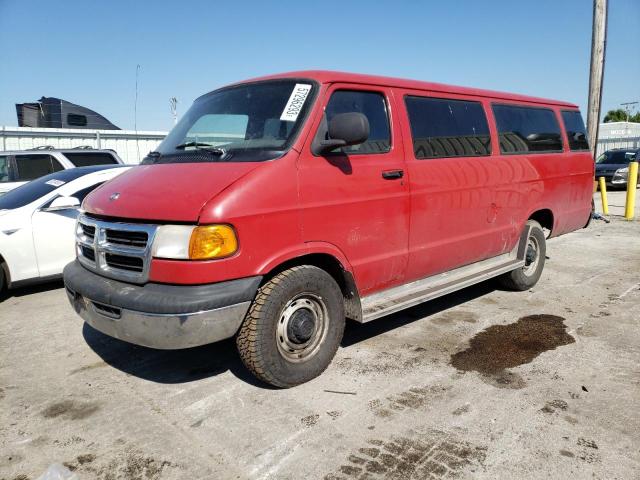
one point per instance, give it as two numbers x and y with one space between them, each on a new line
202 146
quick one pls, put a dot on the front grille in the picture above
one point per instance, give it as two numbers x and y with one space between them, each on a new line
114 249
123 237
89 231
87 252
133 264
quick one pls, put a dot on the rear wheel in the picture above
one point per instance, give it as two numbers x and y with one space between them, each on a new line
293 328
527 276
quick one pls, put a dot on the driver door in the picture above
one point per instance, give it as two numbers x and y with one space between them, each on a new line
357 198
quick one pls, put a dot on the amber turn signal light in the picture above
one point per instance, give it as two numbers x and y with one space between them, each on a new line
212 241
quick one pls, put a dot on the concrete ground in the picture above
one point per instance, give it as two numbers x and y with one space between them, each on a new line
481 384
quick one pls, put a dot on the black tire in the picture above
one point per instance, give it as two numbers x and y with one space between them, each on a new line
272 338
526 277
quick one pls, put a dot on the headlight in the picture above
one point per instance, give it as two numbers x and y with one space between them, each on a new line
184 242
621 175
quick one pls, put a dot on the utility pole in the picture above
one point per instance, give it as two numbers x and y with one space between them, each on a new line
598 46
627 107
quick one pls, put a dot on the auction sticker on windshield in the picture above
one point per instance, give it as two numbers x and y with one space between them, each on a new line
296 101
54 182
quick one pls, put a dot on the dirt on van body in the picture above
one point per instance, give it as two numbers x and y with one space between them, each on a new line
480 384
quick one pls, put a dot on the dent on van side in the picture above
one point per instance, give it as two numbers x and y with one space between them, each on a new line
281 206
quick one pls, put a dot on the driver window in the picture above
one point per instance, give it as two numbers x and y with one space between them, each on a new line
374 107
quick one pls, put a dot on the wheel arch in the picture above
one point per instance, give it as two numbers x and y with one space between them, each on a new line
4 266
545 217
331 264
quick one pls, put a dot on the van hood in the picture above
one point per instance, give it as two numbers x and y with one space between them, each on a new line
165 192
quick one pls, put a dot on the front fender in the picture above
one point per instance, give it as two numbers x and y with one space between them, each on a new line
307 248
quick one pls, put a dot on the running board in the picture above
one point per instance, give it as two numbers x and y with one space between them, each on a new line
404 296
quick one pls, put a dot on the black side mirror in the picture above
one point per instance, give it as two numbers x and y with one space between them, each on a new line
344 129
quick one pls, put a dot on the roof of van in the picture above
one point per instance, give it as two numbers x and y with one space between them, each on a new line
327 76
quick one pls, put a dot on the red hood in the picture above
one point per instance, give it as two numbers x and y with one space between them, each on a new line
169 192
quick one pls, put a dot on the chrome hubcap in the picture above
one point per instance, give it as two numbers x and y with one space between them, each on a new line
302 327
532 257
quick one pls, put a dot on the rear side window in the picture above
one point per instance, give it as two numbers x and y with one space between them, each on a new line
85 159
443 127
374 107
576 133
30 167
527 129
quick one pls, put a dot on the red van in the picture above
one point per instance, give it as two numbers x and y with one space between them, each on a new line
279 206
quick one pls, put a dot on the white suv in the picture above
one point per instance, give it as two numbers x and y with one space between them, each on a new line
18 167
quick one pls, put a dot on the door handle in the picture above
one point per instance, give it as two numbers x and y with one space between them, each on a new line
392 174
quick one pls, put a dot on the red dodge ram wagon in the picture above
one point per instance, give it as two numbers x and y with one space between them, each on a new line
280 206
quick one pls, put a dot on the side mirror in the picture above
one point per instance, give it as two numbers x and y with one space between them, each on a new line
62 203
345 129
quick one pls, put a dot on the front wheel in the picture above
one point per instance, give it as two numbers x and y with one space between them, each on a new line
527 276
293 328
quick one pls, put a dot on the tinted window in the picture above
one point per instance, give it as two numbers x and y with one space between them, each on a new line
447 128
35 166
4 169
85 159
576 133
29 192
527 129
81 194
374 107
617 157
76 120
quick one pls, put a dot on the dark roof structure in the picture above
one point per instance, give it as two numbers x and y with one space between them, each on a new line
51 112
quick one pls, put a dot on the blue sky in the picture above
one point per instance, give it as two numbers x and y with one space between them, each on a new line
87 51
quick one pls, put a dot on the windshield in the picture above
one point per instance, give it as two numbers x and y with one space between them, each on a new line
35 189
245 123
616 157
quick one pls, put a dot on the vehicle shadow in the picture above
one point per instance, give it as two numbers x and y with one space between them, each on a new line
355 332
170 366
32 289
193 364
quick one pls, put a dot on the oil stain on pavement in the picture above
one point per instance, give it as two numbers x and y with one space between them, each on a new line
499 347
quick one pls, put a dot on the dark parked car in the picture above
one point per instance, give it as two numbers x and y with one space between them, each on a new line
613 165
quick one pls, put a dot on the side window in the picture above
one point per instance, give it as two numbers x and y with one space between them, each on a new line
30 167
527 129
84 159
576 133
370 104
443 127
4 168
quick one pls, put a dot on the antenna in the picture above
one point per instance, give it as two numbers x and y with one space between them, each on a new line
173 102
135 112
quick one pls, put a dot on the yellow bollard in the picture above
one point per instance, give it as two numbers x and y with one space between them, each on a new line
632 183
603 193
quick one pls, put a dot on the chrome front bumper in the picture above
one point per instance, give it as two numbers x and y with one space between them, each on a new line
162 331
160 315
